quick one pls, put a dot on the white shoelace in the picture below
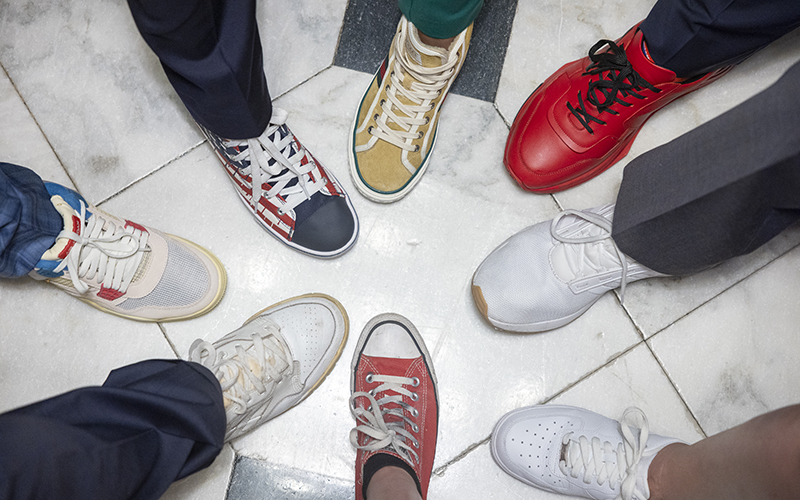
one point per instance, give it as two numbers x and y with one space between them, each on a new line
587 455
270 145
103 249
372 421
250 370
586 258
427 84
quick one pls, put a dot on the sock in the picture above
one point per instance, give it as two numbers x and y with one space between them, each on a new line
380 460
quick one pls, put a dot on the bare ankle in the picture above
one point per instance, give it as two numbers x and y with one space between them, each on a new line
436 42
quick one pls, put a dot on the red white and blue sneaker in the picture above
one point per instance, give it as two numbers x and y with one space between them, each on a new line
394 401
127 269
290 193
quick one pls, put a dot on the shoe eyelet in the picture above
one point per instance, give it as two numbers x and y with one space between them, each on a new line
420 134
369 130
383 101
414 412
368 378
371 392
414 396
369 408
415 427
415 444
376 117
415 380
416 148
427 120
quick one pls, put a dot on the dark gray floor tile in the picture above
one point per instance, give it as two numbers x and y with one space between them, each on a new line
257 480
369 26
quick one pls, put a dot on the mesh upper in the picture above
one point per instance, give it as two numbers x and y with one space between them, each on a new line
184 282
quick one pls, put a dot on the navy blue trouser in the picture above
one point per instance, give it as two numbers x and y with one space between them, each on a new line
212 55
691 37
148 425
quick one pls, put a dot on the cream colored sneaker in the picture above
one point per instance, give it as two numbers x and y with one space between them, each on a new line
394 130
276 359
127 269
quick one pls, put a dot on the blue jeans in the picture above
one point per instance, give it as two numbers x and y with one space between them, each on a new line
29 223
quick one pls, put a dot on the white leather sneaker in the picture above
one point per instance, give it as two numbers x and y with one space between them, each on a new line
549 274
276 359
572 451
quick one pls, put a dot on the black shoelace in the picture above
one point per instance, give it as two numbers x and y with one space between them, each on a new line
617 80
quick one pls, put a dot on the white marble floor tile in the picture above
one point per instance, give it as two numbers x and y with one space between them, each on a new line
96 90
484 373
21 140
736 356
52 343
299 39
656 303
635 379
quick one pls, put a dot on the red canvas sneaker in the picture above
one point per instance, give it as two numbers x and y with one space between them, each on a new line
393 398
583 118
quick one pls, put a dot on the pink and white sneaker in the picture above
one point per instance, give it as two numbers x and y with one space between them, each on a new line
127 269
393 399
288 191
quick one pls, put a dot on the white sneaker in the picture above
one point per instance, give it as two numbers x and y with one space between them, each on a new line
276 359
572 451
549 274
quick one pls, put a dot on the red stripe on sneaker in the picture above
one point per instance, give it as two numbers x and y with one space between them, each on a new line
76 228
109 293
136 226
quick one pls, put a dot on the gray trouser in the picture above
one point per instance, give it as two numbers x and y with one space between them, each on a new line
718 191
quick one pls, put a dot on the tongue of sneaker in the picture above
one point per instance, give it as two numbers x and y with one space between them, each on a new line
71 223
423 54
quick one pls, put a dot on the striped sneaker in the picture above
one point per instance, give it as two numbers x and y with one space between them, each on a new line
290 193
394 130
127 269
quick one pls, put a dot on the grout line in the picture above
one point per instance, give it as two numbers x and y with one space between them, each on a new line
677 391
720 293
145 176
236 459
285 92
166 337
47 139
439 471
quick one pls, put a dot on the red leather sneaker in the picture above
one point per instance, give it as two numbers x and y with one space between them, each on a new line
583 118
393 398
